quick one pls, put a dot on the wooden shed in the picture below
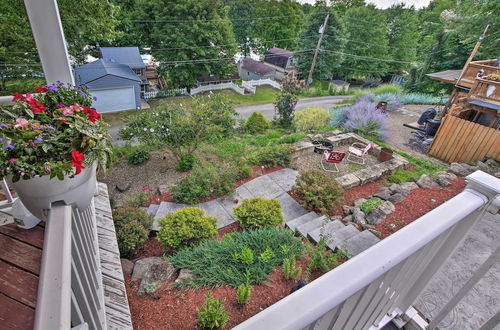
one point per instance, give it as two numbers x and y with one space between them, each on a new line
470 128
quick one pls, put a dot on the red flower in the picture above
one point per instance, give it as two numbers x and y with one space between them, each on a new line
37 107
78 158
40 89
91 114
18 97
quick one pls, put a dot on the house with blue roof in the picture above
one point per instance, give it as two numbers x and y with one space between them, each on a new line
116 86
129 56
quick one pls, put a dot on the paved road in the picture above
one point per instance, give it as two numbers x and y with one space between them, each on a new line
268 109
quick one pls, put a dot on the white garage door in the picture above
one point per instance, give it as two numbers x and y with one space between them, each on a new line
114 99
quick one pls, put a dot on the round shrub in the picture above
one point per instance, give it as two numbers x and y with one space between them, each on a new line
138 155
186 227
257 123
186 163
132 228
318 191
258 213
311 119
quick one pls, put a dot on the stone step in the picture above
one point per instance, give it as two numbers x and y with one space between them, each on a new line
152 209
360 242
311 225
328 229
338 238
293 224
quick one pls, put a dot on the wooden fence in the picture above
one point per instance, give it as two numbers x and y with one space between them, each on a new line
459 140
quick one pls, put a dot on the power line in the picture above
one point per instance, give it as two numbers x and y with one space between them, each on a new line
215 20
366 58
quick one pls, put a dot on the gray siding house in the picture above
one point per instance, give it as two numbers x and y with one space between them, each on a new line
115 86
254 70
131 57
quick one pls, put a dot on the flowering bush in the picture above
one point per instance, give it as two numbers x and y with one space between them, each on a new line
54 133
364 118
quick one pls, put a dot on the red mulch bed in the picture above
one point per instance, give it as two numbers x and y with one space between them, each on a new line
171 308
256 172
419 202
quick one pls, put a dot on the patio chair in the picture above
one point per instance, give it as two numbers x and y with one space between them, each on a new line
332 157
357 152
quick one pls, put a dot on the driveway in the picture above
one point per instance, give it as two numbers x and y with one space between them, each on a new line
268 109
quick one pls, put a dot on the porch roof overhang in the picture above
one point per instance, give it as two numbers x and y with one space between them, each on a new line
447 76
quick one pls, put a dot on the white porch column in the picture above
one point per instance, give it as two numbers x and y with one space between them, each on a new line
49 38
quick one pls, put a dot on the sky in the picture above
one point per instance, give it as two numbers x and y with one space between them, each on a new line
386 3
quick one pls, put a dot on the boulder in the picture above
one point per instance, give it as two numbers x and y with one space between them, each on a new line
158 272
123 187
380 213
163 188
375 232
184 274
409 186
358 216
396 198
404 188
483 167
358 202
127 266
461 169
143 265
347 209
426 181
383 193
348 219
336 217
387 207
492 163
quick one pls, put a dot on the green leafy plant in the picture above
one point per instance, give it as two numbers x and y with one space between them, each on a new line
256 123
186 227
258 212
212 315
244 291
267 255
140 200
371 204
148 288
317 191
186 163
132 228
271 156
323 259
311 119
138 155
290 271
284 106
245 256
213 264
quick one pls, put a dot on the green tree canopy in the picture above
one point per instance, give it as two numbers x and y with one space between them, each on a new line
239 13
402 24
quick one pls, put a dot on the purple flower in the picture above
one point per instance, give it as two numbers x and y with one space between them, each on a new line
94 98
87 86
364 118
4 126
38 139
52 88
50 128
82 93
10 146
53 135
1 140
61 105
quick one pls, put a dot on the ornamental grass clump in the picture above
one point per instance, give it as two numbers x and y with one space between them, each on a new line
364 118
55 133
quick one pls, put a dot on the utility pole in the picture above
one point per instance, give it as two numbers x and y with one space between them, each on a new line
322 32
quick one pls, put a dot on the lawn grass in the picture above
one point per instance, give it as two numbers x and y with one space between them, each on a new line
217 263
263 95
21 85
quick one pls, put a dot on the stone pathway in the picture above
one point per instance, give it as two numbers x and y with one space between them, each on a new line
483 301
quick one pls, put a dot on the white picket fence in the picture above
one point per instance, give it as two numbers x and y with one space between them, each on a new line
165 93
261 82
218 86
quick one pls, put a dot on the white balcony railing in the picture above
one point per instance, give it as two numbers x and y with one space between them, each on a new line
70 290
384 281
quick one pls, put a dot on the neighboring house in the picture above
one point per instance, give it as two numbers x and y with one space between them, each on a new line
129 56
115 86
339 85
254 70
280 59
155 81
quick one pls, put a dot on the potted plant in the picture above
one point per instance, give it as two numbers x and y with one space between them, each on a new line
51 145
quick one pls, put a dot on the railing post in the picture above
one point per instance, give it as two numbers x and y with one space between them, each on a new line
53 308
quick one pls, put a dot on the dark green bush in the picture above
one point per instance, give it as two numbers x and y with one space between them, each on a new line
257 123
318 191
207 179
186 227
132 228
186 163
258 212
272 156
138 155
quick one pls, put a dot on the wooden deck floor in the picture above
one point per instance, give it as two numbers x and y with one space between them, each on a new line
20 259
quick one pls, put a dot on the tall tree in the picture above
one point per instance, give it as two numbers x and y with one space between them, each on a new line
239 13
402 25
341 6
367 46
330 59
278 24
188 37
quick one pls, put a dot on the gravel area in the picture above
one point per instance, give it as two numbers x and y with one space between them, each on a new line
158 170
310 160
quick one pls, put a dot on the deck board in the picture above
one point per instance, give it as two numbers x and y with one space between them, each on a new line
33 236
14 315
18 284
20 254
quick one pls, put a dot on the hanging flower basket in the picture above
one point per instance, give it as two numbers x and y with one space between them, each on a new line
51 146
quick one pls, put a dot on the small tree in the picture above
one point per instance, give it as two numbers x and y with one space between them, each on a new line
285 104
181 128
